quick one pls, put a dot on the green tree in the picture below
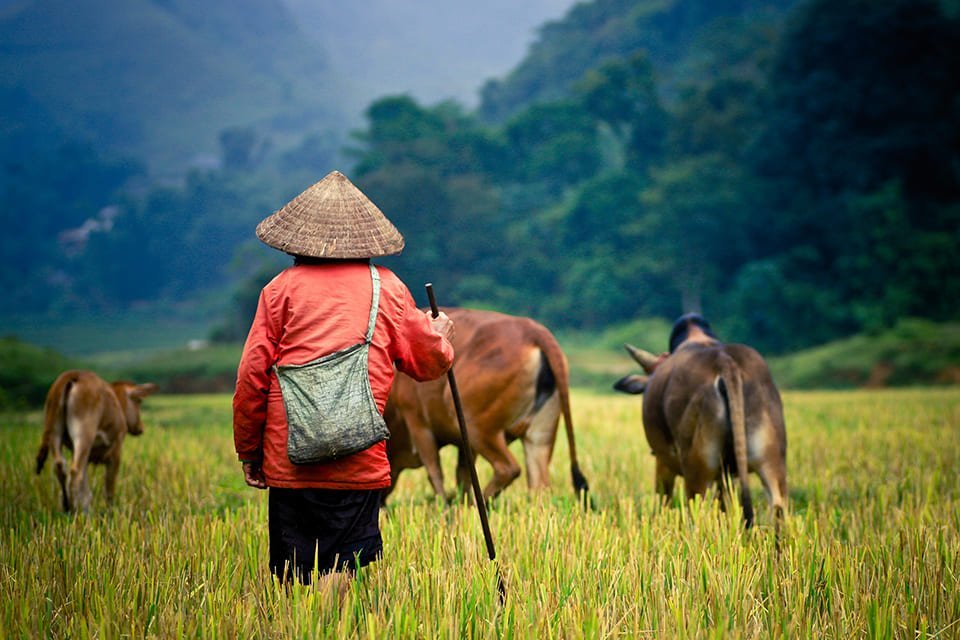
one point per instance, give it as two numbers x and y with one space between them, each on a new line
718 107
859 158
600 30
623 94
554 144
863 93
694 209
426 169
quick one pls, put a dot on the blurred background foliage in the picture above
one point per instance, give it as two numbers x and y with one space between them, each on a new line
789 168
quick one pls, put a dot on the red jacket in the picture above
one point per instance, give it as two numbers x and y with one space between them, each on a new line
306 312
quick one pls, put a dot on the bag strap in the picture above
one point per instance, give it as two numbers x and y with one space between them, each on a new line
375 304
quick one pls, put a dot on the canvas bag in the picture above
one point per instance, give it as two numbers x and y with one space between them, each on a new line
331 411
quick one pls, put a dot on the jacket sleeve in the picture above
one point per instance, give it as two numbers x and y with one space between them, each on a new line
253 383
423 354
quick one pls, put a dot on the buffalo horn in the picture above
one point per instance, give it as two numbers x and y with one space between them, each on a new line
645 359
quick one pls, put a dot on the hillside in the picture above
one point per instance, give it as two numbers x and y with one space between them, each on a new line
914 352
601 30
159 79
765 167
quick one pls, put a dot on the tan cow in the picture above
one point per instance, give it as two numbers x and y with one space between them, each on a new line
513 383
710 408
91 418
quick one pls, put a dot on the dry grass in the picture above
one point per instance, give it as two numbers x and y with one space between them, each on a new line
872 546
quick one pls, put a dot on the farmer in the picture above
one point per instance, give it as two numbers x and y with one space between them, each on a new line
314 377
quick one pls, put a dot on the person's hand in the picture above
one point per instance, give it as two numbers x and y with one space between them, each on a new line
253 475
443 325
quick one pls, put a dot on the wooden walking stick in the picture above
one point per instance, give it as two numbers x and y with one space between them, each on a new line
468 451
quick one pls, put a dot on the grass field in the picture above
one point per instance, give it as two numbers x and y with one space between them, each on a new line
871 548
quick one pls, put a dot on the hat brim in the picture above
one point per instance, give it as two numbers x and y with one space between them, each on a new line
331 219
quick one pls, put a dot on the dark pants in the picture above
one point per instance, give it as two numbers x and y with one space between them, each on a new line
326 529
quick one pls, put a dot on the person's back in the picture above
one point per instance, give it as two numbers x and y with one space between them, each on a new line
317 307
311 310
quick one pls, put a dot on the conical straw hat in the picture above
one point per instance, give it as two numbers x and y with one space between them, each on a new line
331 219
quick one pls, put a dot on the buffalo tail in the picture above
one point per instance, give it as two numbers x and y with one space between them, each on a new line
731 388
557 363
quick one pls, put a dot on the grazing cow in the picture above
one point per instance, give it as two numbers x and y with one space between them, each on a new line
91 418
710 408
512 378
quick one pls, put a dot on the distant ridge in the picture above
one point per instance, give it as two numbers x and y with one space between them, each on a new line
160 79
591 32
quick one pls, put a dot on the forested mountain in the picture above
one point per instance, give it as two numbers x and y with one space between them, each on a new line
593 32
159 79
793 174
141 140
790 169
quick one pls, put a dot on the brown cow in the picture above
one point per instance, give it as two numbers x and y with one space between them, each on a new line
710 407
91 418
512 378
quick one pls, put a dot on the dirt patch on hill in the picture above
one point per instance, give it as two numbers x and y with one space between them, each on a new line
949 375
879 375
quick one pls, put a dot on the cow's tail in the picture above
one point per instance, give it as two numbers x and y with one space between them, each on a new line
557 363
731 388
54 417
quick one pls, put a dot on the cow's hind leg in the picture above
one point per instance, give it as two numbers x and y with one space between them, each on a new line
666 476
429 452
78 486
538 443
78 480
702 463
768 460
697 475
464 477
773 474
60 468
110 479
506 469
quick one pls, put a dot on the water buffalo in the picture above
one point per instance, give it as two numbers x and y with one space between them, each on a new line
513 382
90 417
710 408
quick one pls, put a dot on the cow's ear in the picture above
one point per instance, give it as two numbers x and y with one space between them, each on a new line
143 390
632 384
